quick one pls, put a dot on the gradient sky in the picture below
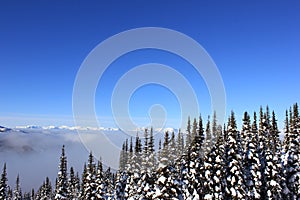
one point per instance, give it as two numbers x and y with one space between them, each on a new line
255 44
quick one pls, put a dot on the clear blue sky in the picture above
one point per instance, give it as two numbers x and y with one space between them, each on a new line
255 44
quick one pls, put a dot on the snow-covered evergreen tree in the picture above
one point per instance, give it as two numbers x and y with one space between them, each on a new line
89 186
3 184
214 128
101 190
73 185
108 184
246 130
209 138
9 194
44 192
17 191
180 144
134 169
252 163
292 164
167 185
235 186
212 175
188 139
61 191
121 179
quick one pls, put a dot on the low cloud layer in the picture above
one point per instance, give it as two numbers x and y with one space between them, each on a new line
34 153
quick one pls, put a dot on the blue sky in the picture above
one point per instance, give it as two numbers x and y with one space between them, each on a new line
255 44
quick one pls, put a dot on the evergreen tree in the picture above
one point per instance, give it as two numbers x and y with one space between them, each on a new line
151 150
209 142
211 172
45 191
201 137
214 127
134 175
188 134
73 185
84 182
172 149
287 139
89 187
109 183
3 184
32 194
17 191
272 176
122 160
235 186
252 164
180 144
101 190
121 179
246 130
61 191
274 136
194 130
9 193
145 153
165 156
292 165
167 183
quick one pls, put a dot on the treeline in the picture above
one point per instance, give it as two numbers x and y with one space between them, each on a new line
205 162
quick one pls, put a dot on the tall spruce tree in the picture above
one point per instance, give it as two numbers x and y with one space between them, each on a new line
235 186
211 172
209 142
252 164
188 134
3 184
61 191
214 127
292 164
246 130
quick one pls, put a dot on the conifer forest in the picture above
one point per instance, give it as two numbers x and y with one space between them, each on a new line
205 161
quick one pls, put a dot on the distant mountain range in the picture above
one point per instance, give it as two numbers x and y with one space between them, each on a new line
74 128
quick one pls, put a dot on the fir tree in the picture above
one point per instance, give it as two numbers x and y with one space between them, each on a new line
122 160
246 130
235 186
109 183
292 164
252 164
61 191
274 136
17 191
188 134
211 172
3 184
9 194
167 182
209 142
120 186
73 185
180 144
89 187
214 127
101 190
194 130
287 138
